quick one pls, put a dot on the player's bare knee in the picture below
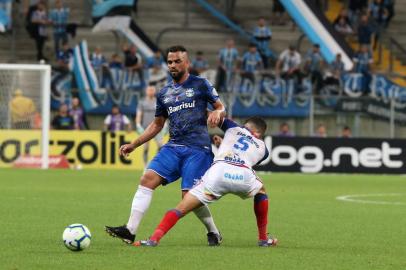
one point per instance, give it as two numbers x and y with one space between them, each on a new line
150 180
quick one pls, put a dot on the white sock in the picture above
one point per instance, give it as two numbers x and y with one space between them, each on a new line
141 201
203 213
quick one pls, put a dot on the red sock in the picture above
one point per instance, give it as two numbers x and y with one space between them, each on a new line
261 213
169 220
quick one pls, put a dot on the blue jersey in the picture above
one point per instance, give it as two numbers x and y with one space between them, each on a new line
200 63
377 11
59 18
97 61
337 66
185 105
228 57
262 35
314 59
362 62
251 62
65 56
155 62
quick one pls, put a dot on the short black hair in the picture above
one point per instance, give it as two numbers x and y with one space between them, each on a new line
258 123
251 45
199 53
176 48
346 128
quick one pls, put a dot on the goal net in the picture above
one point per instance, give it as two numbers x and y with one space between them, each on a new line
24 112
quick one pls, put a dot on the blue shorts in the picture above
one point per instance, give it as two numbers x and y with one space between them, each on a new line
173 162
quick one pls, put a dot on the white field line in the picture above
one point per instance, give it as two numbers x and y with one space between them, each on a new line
355 198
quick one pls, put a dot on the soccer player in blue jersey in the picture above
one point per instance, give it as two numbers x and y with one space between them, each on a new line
188 154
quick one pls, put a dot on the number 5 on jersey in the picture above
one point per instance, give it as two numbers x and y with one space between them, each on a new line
242 144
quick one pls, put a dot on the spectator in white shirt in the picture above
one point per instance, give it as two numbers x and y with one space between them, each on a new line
288 65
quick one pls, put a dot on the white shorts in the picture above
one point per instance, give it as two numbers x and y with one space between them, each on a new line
223 178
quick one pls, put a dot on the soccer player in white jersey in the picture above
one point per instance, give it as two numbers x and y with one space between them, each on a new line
231 172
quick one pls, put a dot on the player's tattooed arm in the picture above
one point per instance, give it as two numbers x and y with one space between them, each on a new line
150 132
215 116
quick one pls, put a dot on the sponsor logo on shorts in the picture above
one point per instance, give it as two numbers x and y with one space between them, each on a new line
234 176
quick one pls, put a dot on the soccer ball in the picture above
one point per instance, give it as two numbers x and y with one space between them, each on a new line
76 237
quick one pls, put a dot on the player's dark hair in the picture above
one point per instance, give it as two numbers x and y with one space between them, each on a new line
258 123
176 48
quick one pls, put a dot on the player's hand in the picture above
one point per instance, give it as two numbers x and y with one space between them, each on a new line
214 118
126 149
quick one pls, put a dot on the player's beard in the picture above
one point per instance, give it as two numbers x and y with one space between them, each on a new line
176 76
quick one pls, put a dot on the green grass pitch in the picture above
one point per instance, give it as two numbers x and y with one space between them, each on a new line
315 230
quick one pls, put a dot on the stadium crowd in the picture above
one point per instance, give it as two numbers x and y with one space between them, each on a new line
361 21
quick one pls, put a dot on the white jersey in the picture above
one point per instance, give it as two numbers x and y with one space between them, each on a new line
231 171
239 146
290 60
